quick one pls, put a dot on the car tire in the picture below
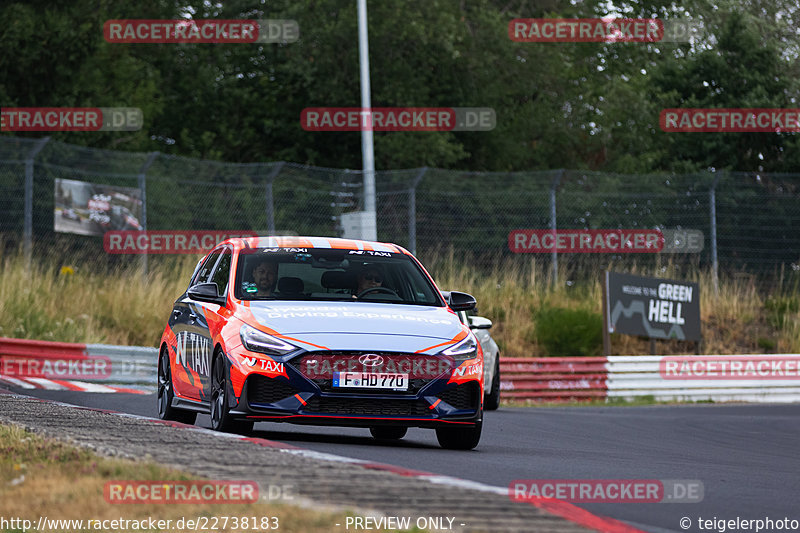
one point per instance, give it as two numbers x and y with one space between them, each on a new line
388 432
459 438
166 394
491 401
221 419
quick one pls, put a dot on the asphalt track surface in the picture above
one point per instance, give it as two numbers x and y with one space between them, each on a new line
746 456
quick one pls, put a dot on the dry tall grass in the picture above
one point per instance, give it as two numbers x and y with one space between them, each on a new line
85 304
124 307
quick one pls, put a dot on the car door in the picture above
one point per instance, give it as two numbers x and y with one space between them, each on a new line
216 315
188 321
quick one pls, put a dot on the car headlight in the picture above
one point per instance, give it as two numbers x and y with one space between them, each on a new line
467 348
258 341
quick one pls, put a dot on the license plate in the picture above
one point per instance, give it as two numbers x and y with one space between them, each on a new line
370 380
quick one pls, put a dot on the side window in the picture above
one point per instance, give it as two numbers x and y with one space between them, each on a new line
195 271
205 270
221 274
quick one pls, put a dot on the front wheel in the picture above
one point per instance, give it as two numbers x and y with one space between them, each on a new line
221 419
491 401
459 438
166 394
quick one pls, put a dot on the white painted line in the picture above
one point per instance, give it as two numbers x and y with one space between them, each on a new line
46 384
322 456
92 387
17 382
466 484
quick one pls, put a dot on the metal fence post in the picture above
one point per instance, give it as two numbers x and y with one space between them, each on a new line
27 232
143 188
554 255
712 205
412 211
269 199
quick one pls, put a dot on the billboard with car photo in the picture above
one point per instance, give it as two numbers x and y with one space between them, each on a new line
93 209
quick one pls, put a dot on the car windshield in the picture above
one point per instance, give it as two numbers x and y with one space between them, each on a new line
325 275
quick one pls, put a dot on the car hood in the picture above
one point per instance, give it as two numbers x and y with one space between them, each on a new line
358 325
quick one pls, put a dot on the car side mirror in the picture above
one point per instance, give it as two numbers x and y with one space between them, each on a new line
479 322
461 301
206 292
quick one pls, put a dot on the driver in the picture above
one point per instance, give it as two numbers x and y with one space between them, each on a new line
368 278
265 274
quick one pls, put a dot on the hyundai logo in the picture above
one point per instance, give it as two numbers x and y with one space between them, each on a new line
370 359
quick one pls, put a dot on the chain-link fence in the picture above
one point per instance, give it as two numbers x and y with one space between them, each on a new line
749 220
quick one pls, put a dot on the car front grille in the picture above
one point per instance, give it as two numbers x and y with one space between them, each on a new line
367 406
263 390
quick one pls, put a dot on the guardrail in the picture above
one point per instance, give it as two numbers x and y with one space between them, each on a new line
564 379
553 378
109 364
23 348
130 365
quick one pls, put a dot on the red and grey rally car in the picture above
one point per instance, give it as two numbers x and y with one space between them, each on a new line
322 331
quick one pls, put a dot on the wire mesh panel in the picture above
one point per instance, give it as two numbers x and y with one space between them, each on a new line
474 212
758 221
469 214
311 200
603 201
15 154
12 190
396 205
191 194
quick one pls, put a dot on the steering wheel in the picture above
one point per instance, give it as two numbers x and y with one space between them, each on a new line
387 290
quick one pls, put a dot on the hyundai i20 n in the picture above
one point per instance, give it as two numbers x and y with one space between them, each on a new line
321 331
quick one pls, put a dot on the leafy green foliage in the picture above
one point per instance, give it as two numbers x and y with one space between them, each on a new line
559 105
569 332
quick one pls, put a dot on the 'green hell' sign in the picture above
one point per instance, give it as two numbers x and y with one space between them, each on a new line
652 307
